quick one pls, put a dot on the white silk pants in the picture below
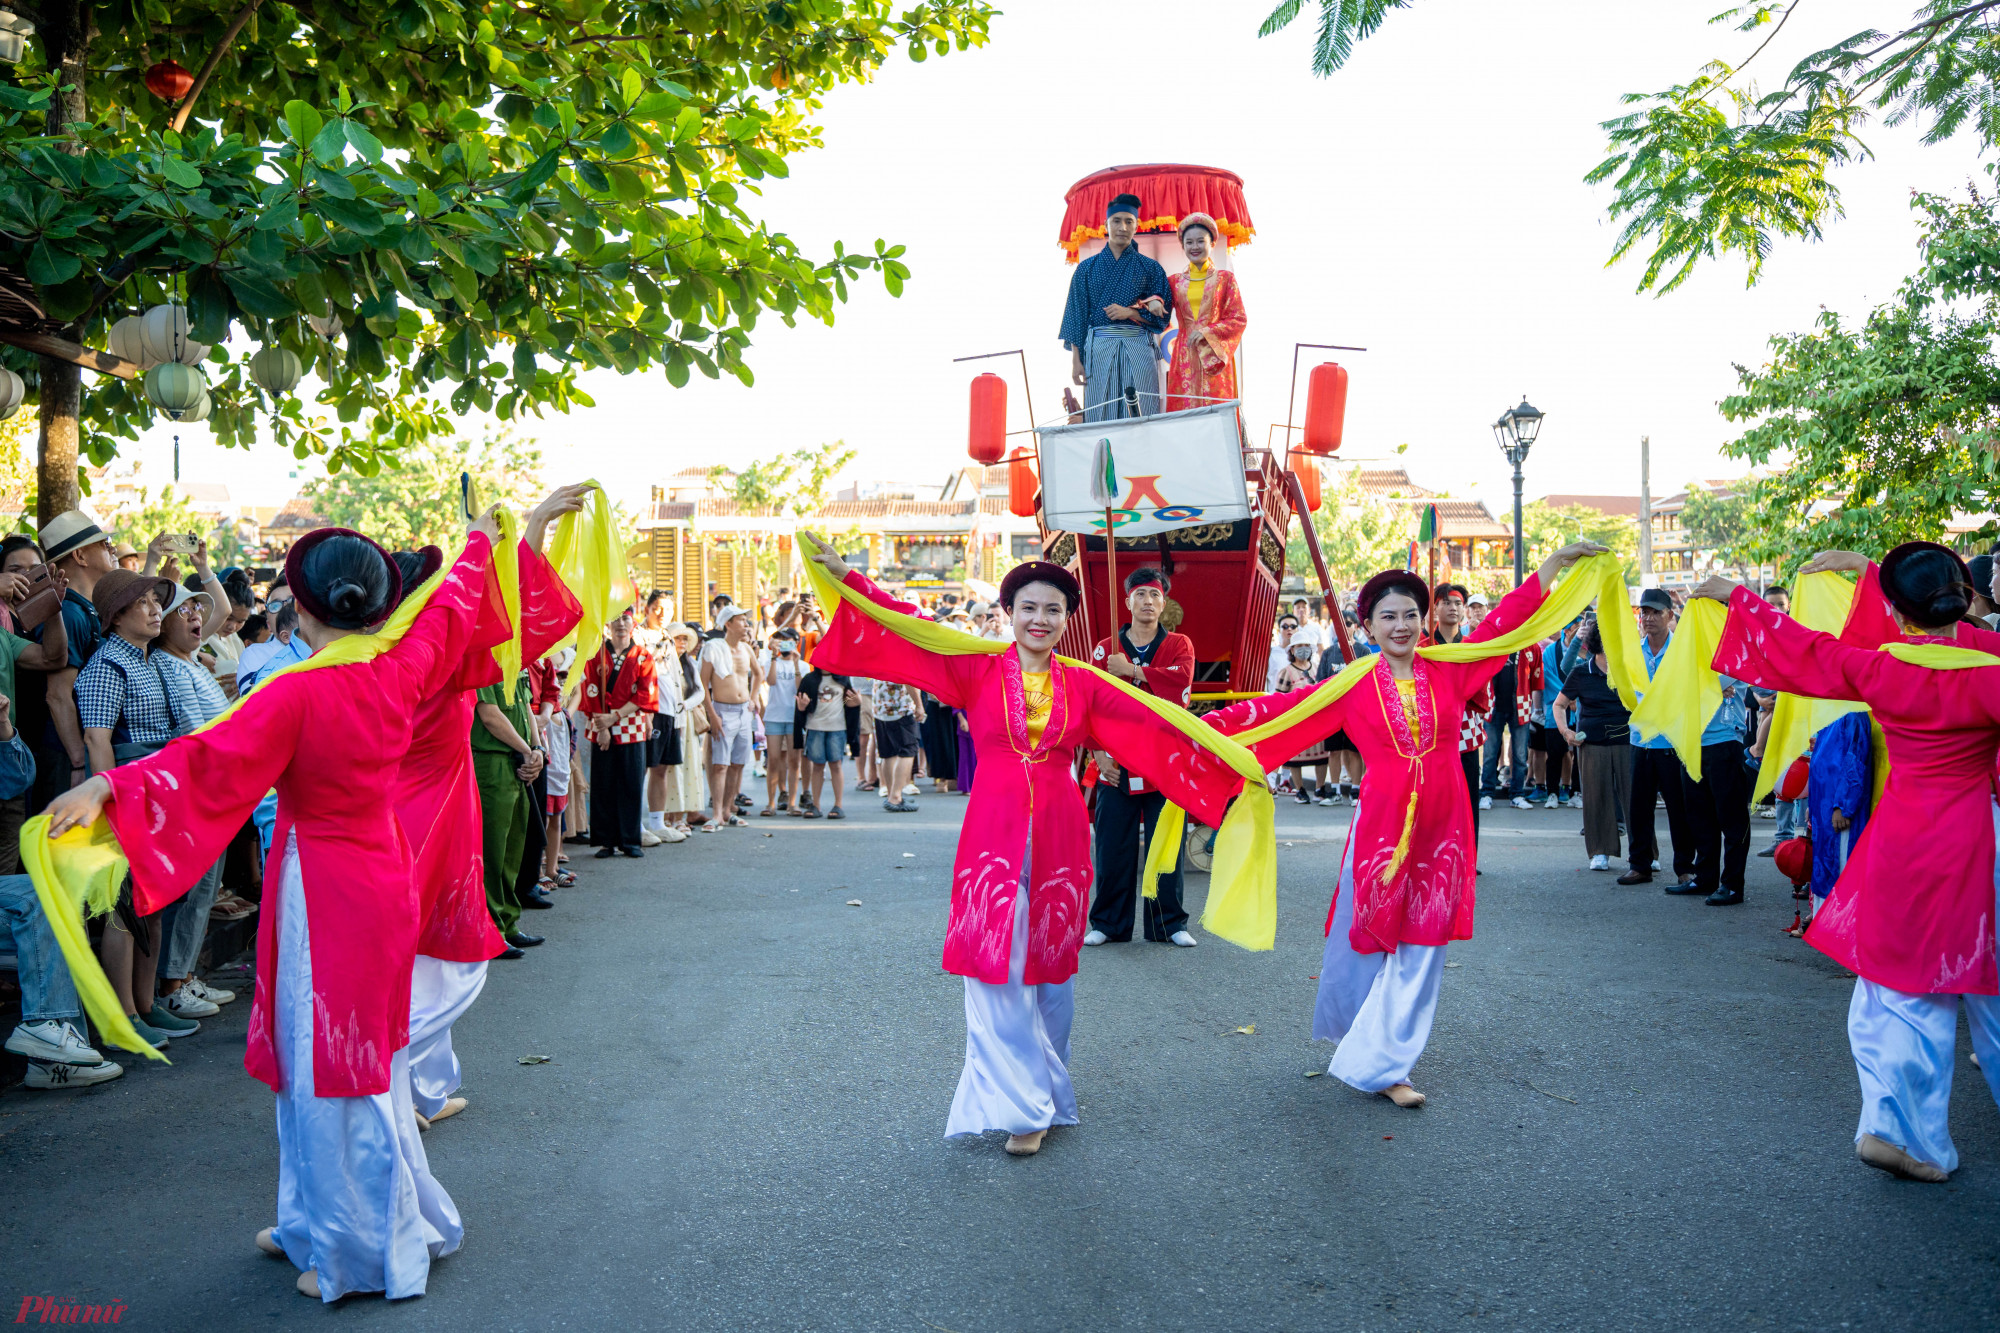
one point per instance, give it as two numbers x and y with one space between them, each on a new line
1905 1051
1016 1073
1378 1006
440 992
356 1199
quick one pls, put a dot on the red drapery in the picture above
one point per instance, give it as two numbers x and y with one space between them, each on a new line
1168 192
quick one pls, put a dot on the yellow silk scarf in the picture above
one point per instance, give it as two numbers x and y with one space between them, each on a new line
1821 602
587 555
507 572
83 870
1686 691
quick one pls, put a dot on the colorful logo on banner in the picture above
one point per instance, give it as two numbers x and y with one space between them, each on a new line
1143 501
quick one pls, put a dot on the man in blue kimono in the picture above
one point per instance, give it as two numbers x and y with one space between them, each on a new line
1119 304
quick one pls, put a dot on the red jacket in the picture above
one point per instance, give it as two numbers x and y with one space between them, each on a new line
1169 676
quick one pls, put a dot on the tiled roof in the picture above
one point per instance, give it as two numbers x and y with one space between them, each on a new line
1391 484
895 509
666 510
296 513
1467 519
700 473
1623 506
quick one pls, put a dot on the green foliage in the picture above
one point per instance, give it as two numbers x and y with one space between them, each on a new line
1359 534
1342 23
1725 524
1881 431
167 511
793 483
1546 529
489 198
416 503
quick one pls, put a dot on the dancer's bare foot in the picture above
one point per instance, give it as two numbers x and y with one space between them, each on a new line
422 1124
267 1241
1404 1096
309 1284
1886 1156
1026 1145
451 1107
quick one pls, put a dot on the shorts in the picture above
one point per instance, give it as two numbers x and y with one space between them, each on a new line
1339 741
558 804
731 745
1549 741
826 747
778 736
664 747
896 737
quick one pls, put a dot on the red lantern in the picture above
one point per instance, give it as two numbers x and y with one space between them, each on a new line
1307 469
1795 858
1022 486
988 442
1326 408
169 81
1793 784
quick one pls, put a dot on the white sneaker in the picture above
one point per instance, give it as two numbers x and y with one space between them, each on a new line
673 834
648 838
1656 867
1185 940
1486 803
1520 803
49 1074
46 1039
213 994
1600 862
183 1003
1094 938
910 790
1553 802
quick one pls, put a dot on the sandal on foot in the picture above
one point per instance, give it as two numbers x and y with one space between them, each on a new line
452 1106
1886 1156
1404 1096
1026 1145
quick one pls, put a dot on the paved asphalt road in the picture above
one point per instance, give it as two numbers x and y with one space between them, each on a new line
1641 1112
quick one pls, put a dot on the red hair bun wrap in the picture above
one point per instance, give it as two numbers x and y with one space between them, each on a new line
1795 858
1793 785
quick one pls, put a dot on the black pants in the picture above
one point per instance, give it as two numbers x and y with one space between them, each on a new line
1120 813
1658 774
536 840
1718 816
1469 761
618 794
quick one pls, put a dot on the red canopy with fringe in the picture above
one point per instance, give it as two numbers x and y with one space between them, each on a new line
1168 192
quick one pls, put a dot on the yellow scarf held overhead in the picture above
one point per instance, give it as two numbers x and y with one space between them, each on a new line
1821 602
81 872
587 555
1243 885
507 572
1686 691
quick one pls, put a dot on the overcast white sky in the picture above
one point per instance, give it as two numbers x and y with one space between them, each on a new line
1426 203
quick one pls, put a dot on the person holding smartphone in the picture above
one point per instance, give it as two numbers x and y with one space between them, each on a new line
1603 735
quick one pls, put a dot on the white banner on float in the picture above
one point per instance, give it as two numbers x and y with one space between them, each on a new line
1175 470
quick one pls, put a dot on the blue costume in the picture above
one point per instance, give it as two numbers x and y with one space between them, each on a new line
1117 353
1839 777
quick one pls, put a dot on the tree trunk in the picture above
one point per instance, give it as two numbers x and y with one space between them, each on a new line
65 30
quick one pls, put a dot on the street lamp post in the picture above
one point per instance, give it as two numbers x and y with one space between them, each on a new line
1515 433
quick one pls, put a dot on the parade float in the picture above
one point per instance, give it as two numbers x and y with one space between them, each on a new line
1186 489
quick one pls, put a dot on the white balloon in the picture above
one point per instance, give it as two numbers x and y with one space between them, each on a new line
164 333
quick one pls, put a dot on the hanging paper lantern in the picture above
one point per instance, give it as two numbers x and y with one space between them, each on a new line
326 326
175 389
199 412
988 441
169 81
1326 408
163 333
1307 468
1021 484
12 391
125 340
276 370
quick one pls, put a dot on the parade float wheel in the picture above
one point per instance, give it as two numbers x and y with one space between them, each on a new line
1199 848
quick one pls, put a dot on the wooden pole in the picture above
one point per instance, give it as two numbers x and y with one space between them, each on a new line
1111 574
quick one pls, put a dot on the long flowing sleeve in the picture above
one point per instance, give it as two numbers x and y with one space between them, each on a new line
1076 310
1303 732
175 811
855 645
1512 612
549 610
1767 648
1141 740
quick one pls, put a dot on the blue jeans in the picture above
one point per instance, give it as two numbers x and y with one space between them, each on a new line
1517 743
184 925
1788 820
46 989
